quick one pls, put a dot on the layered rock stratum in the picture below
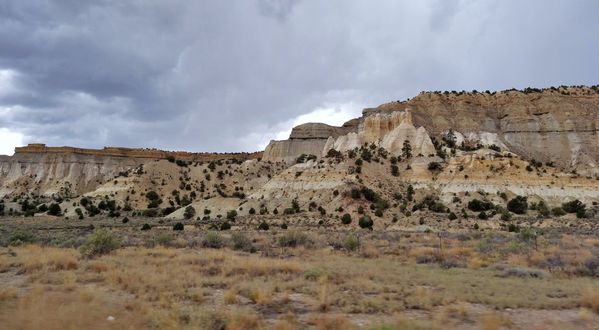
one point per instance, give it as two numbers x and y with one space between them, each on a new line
558 125
435 149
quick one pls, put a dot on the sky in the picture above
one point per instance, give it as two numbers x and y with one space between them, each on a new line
214 75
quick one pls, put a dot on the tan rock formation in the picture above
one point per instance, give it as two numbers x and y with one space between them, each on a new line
552 125
558 125
39 148
44 170
388 130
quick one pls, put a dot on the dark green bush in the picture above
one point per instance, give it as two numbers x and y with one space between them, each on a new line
346 219
231 215
54 209
178 226
394 170
518 205
189 212
478 205
225 225
365 222
263 226
573 206
435 166
558 212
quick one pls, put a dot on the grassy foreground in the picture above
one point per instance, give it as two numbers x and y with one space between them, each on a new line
292 279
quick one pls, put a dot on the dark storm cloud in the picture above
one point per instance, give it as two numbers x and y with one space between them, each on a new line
227 75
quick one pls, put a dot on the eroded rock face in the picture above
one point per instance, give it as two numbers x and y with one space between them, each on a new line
58 173
67 171
559 126
289 150
388 130
317 131
554 125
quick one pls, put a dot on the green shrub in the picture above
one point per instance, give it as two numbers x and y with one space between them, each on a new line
292 239
351 243
54 209
506 215
178 226
369 194
394 170
125 220
146 227
225 225
212 240
263 226
231 215
100 242
150 213
241 242
152 196
164 239
543 209
478 205
434 166
528 235
452 216
189 212
346 219
574 206
365 222
558 212
21 236
518 205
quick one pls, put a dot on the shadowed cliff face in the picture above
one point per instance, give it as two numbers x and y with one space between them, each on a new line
553 125
72 171
59 173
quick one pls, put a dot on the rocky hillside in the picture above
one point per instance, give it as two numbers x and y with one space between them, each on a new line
67 171
555 125
480 158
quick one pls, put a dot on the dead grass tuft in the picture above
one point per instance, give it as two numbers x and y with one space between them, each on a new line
590 299
34 258
331 322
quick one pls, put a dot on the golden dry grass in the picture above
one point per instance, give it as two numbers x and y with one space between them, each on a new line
590 298
176 288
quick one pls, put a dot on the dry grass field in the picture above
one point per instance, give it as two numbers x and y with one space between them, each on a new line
57 277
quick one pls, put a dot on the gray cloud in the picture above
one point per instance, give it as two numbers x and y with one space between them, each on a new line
215 75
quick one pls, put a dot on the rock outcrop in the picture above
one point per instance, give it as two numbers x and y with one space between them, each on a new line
557 125
388 130
43 170
40 148
309 138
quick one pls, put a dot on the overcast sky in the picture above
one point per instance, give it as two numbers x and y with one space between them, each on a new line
231 75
